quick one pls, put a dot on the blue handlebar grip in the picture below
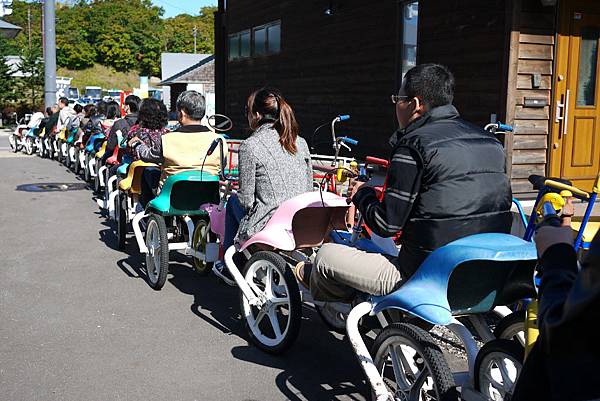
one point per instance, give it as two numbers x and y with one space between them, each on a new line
550 216
505 127
344 117
350 141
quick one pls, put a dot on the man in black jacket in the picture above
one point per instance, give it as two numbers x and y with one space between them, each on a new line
446 180
122 126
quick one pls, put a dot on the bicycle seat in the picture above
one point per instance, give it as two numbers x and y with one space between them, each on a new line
538 181
133 182
183 194
470 275
302 222
100 153
114 158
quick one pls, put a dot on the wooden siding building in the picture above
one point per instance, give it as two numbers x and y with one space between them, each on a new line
531 63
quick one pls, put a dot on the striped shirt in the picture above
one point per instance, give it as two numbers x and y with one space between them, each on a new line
388 216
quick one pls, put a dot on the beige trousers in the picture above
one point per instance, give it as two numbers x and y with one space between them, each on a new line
340 271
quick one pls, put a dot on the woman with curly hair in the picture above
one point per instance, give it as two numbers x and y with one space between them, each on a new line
151 125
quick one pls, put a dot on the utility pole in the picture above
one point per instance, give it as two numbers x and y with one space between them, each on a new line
29 25
50 54
195 32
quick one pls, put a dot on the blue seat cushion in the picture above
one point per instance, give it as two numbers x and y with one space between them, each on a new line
470 275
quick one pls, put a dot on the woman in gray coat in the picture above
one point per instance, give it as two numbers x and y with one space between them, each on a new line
274 166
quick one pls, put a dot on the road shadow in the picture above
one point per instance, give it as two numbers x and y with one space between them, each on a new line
319 366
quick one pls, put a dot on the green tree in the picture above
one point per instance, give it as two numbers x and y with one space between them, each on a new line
73 47
32 68
7 82
178 32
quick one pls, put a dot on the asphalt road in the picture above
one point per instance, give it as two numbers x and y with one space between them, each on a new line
79 323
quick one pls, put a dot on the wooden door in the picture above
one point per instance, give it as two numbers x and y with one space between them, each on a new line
575 152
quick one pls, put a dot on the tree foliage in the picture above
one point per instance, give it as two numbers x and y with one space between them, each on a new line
124 34
178 37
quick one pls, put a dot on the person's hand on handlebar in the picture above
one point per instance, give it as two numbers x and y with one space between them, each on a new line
353 187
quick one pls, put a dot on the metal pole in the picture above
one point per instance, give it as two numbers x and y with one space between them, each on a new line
29 25
195 30
50 53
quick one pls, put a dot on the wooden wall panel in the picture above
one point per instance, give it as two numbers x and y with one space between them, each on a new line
328 65
534 46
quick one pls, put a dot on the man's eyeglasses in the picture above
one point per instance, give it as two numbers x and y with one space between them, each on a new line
398 98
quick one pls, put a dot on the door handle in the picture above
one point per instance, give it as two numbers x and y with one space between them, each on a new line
562 112
565 122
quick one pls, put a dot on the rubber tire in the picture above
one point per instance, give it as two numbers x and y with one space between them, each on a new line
508 324
75 164
508 347
121 220
86 171
97 186
295 303
14 145
29 145
163 267
202 268
424 344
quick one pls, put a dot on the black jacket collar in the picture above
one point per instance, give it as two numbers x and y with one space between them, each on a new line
193 128
447 112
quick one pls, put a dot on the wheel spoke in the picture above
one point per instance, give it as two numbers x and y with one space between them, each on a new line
261 314
416 387
398 371
408 371
504 372
274 322
269 282
254 288
276 301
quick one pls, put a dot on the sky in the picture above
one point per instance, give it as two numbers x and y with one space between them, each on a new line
175 7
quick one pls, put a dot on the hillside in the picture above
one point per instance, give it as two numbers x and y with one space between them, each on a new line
102 76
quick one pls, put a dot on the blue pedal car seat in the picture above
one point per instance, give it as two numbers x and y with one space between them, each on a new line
470 275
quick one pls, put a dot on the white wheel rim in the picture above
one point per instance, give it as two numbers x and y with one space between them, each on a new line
410 373
498 376
153 255
276 301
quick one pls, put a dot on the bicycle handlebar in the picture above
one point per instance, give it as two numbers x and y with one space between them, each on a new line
565 187
343 117
348 140
550 216
504 127
376 160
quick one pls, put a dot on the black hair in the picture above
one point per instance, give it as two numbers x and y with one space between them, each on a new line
90 110
152 114
193 103
49 111
78 108
101 107
112 110
133 102
64 101
432 83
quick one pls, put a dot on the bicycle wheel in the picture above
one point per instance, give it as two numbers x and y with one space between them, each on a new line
202 236
157 258
412 366
512 327
121 220
13 143
497 368
274 325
